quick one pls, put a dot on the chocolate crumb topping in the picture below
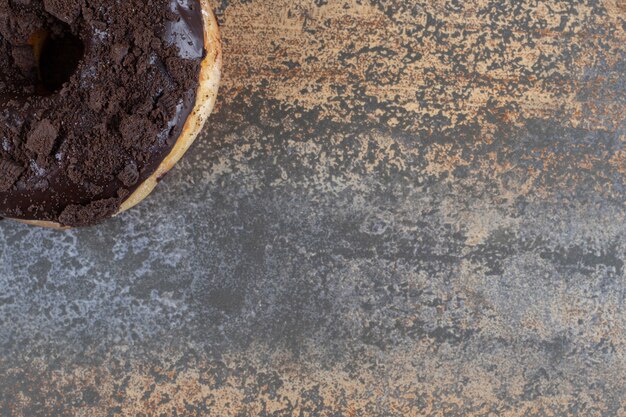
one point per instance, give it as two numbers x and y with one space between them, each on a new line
41 138
9 173
93 96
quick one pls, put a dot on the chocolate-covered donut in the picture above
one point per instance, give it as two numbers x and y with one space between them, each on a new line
98 99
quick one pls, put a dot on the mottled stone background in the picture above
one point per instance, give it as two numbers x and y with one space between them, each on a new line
400 208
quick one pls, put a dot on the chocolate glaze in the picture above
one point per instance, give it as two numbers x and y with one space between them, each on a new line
187 32
49 192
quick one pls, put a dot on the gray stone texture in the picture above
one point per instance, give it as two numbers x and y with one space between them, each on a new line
399 208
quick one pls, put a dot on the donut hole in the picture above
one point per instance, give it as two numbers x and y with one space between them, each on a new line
60 56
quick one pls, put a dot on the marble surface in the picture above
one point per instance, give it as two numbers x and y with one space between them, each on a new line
399 208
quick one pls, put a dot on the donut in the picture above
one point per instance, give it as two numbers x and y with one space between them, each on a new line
99 99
